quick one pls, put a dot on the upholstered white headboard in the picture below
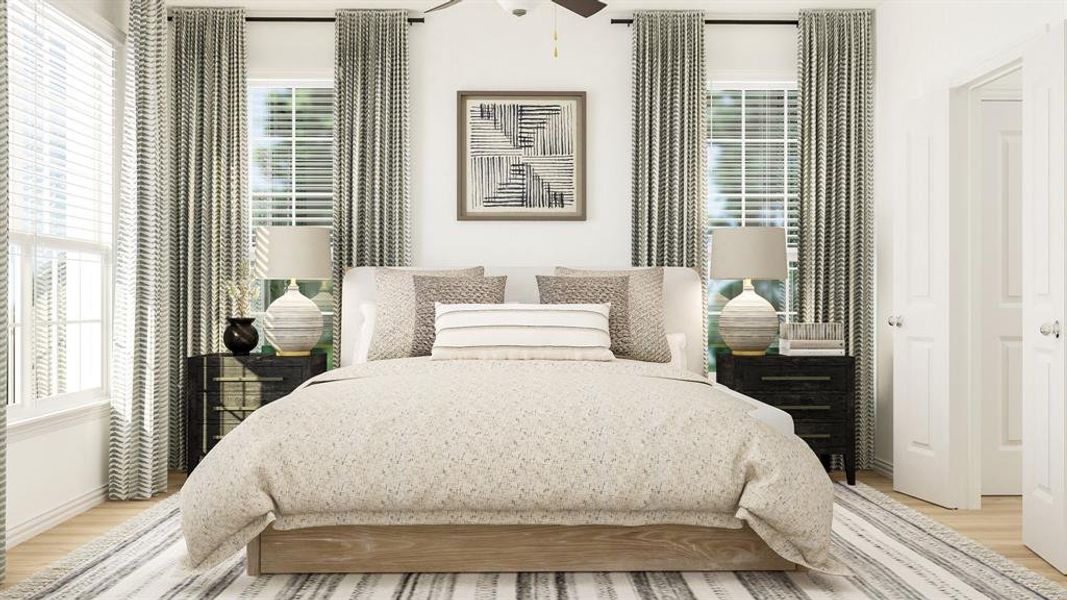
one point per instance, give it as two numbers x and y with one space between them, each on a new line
683 310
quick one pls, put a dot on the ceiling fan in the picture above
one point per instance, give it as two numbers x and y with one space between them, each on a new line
585 8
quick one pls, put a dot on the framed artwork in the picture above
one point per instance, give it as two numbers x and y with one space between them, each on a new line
521 156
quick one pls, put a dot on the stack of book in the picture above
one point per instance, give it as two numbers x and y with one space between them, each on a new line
812 339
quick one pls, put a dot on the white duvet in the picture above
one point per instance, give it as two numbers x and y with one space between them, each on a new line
410 441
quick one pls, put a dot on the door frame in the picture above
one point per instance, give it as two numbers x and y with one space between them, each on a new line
975 96
965 265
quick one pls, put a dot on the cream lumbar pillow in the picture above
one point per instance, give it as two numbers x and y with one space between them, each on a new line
648 338
522 332
394 319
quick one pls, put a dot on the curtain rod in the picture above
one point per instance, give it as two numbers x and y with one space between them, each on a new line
793 22
304 19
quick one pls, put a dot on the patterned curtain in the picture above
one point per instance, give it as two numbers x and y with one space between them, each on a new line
669 136
211 184
4 200
143 362
669 154
371 159
836 255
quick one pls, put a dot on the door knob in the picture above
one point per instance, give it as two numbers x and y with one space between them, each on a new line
1051 329
895 321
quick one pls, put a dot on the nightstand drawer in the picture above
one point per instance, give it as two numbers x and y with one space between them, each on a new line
212 400
819 434
276 389
234 376
777 380
821 406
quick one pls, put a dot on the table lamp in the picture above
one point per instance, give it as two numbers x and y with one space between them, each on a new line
748 323
293 323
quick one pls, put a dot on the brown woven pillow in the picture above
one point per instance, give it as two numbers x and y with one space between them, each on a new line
448 290
594 290
645 309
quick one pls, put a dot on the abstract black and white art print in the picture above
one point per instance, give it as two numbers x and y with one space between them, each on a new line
521 156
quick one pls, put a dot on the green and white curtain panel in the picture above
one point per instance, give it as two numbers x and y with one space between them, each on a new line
144 362
669 158
836 251
210 161
4 202
371 168
669 129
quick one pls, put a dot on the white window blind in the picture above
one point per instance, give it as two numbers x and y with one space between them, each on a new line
291 129
61 102
753 168
61 111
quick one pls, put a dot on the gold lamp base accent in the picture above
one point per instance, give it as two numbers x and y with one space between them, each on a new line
301 353
748 352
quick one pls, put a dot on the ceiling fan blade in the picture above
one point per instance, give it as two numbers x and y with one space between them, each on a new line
586 8
445 5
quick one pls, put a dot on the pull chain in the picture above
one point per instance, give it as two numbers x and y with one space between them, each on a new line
555 31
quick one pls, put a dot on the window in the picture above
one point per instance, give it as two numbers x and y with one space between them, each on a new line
61 176
291 130
753 166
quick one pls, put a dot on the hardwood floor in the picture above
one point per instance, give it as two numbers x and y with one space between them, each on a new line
38 552
998 525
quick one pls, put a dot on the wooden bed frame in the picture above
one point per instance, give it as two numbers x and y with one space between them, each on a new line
509 548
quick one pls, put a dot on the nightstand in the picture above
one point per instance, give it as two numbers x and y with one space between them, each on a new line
224 389
817 391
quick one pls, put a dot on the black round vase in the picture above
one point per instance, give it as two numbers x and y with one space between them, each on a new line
240 336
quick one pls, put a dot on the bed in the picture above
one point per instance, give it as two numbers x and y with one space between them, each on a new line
413 465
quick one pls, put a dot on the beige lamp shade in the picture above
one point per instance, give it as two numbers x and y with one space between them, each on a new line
748 253
293 253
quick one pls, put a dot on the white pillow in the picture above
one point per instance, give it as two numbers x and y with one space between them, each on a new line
369 311
676 341
522 332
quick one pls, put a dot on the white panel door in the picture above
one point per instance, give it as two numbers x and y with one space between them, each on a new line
922 465
1044 417
999 330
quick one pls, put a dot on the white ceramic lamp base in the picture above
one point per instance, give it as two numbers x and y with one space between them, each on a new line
293 323
748 323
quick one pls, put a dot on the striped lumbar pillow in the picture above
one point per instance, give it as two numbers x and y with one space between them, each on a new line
522 332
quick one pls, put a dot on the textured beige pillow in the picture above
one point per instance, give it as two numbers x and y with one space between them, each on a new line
448 290
594 290
647 334
394 323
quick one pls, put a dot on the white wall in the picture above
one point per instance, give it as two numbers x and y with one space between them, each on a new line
56 468
923 46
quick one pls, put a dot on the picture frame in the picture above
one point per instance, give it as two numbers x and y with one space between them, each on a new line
520 156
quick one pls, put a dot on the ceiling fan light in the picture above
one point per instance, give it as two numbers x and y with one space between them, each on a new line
518 7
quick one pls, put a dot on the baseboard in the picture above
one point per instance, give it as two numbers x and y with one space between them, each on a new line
21 532
882 467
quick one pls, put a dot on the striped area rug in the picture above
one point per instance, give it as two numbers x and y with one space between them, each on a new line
894 552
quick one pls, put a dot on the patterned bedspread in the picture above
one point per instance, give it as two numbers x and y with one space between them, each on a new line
414 441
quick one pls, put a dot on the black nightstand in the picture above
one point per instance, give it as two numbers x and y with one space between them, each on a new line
817 391
224 389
